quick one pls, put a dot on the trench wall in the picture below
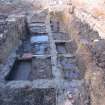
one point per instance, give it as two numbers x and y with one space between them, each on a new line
16 29
84 35
92 13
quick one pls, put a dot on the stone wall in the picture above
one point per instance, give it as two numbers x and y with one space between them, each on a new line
16 29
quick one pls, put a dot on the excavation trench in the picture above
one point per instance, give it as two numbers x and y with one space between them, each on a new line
34 55
46 58
51 56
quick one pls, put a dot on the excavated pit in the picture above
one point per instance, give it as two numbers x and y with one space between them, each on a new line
34 59
34 55
20 70
63 48
69 68
32 69
51 56
46 66
31 54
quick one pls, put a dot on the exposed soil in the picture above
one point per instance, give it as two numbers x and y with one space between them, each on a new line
41 68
